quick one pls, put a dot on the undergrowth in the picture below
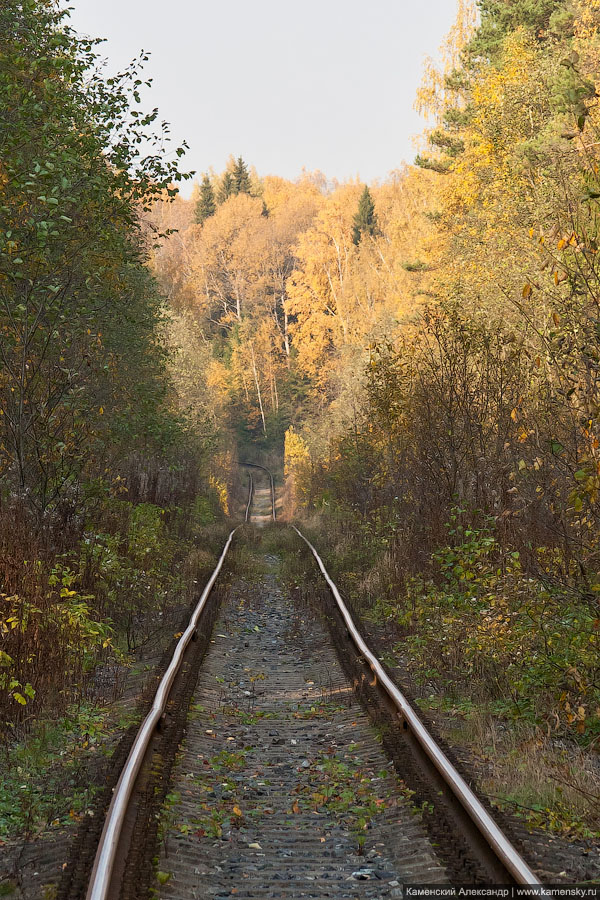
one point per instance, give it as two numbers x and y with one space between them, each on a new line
73 626
45 778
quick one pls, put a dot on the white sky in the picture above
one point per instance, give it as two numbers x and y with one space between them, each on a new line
321 84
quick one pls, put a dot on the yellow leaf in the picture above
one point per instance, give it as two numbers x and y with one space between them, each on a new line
526 290
237 811
562 243
101 410
556 318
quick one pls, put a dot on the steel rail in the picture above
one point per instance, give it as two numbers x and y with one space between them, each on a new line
269 473
106 854
249 504
505 852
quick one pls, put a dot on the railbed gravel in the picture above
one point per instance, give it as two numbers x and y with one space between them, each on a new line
278 765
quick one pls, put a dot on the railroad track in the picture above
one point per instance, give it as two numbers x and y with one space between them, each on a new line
270 513
283 787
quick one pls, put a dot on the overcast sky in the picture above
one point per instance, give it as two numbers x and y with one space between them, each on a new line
321 84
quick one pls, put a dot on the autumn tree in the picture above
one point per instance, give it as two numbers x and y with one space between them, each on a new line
444 94
232 277
81 368
467 449
94 446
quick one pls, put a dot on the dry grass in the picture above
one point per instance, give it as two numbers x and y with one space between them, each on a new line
548 781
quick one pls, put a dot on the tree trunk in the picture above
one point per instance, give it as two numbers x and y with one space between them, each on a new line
260 405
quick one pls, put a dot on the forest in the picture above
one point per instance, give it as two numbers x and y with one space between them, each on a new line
417 359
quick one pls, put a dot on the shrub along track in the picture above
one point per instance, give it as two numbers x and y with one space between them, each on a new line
282 779
32 867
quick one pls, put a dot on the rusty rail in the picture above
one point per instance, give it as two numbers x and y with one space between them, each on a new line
250 493
501 846
106 855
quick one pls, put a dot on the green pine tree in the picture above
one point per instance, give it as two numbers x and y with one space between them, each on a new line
206 206
241 177
499 18
227 187
365 220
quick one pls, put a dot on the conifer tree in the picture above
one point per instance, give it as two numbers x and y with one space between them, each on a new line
206 206
241 177
365 220
499 18
227 187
